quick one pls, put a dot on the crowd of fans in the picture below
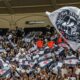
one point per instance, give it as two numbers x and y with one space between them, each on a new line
37 56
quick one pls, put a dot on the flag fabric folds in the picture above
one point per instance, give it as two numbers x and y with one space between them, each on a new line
66 21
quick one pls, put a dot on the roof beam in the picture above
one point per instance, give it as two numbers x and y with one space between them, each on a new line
7 4
31 6
47 5
77 3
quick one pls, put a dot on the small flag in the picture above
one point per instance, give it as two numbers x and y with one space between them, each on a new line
72 61
45 63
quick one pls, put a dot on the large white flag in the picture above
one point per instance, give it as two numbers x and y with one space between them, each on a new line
66 20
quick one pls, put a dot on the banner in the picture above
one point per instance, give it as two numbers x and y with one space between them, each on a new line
66 21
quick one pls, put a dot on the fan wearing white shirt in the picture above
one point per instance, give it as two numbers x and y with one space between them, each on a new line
77 71
21 54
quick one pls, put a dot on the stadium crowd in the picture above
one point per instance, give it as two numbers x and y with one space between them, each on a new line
37 56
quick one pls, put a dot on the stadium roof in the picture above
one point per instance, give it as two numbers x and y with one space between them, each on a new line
33 6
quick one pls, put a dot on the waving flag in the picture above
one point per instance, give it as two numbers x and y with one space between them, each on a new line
66 21
44 63
64 45
45 56
2 72
71 61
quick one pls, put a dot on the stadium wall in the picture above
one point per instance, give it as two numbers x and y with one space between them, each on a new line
11 21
